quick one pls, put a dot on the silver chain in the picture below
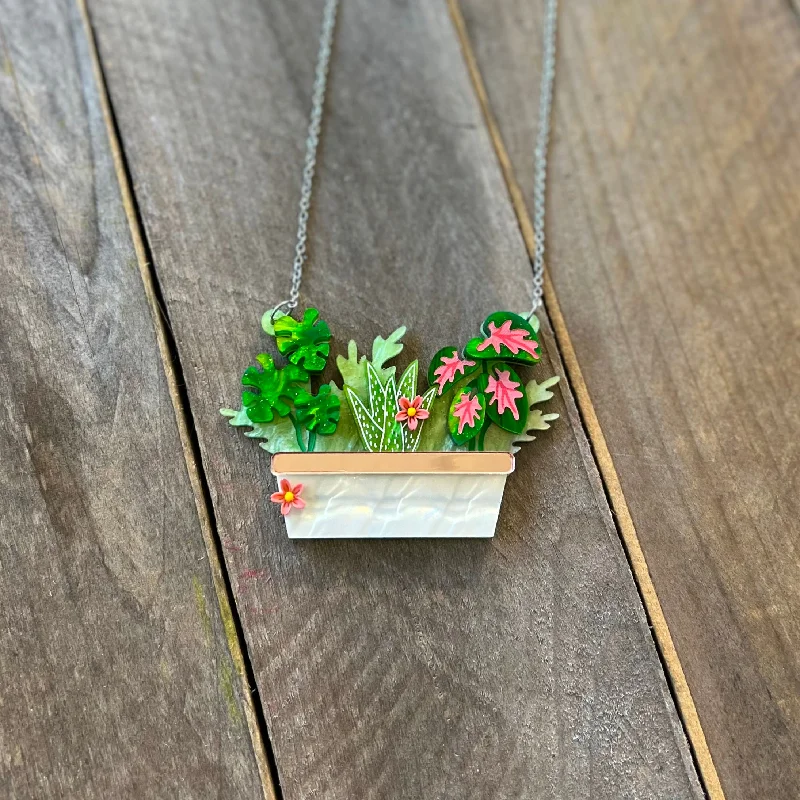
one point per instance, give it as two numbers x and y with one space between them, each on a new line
312 143
542 142
315 124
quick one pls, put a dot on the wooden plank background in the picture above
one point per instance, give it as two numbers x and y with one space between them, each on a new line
521 667
674 245
117 680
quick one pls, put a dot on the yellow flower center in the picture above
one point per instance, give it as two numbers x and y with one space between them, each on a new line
411 411
288 497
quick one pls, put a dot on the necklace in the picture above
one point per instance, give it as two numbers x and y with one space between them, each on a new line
378 456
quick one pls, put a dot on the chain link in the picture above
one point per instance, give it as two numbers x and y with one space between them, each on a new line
315 125
542 142
312 144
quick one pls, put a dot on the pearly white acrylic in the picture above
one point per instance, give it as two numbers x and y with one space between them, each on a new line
377 506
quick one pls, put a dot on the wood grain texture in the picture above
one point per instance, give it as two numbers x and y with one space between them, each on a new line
674 243
518 667
117 680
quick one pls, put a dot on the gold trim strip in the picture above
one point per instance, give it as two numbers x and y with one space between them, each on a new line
393 463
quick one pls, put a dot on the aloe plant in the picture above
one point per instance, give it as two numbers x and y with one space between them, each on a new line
377 415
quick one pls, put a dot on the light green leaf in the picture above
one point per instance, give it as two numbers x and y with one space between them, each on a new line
538 392
384 350
353 369
279 434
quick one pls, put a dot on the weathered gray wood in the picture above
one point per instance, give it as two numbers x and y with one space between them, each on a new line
116 680
520 667
674 243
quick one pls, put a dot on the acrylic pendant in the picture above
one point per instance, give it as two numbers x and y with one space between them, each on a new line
380 457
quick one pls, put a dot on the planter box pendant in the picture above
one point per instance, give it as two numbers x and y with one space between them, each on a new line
394 495
378 456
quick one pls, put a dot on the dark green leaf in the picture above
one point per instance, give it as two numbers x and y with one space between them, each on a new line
305 342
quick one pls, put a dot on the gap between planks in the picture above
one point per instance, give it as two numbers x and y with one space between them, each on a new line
256 726
621 514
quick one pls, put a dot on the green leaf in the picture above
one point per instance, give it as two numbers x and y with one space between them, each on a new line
273 388
320 412
304 342
371 393
435 436
469 420
508 393
354 369
506 337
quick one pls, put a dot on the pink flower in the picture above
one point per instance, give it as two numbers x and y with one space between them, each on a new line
504 392
288 497
450 367
466 410
515 340
411 411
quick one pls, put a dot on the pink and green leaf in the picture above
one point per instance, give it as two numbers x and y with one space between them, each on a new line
506 404
506 337
467 415
448 368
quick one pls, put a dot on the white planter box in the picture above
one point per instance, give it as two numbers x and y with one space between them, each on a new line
394 495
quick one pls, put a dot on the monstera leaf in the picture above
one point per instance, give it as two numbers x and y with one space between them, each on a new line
320 412
304 342
506 337
273 387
